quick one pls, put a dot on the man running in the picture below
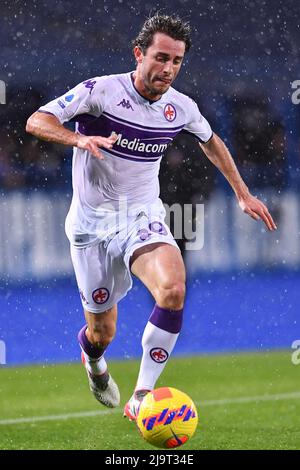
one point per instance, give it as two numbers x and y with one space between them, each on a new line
116 225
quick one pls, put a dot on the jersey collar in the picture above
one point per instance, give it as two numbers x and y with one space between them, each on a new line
151 102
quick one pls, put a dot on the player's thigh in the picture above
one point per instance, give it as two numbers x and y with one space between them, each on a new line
158 265
102 278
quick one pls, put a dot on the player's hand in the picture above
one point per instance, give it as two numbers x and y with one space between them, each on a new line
257 210
92 144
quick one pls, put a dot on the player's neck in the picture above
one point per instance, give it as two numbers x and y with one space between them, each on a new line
140 87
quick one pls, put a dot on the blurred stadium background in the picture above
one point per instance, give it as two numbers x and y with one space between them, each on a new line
243 286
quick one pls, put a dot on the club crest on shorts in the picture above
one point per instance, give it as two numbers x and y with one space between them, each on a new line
101 295
170 112
159 355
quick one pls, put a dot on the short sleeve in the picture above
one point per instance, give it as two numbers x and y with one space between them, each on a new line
85 98
197 124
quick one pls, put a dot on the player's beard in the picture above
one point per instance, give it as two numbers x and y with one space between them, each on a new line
151 84
155 90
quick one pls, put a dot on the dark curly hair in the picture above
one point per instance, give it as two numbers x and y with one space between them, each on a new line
172 26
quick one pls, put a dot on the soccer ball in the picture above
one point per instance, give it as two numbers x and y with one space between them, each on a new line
167 418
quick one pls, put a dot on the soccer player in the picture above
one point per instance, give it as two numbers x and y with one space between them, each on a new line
116 221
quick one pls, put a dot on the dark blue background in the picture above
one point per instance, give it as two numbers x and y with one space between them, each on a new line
223 313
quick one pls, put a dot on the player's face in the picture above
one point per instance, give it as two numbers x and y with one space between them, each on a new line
159 66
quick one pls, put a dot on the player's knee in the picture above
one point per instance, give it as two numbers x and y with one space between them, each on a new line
171 296
102 335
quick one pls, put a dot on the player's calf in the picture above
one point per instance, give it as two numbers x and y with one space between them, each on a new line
101 335
101 327
101 384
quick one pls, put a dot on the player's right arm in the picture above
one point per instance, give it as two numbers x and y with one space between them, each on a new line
85 100
48 127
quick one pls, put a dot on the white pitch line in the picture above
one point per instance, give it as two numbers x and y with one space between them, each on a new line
36 419
91 414
253 399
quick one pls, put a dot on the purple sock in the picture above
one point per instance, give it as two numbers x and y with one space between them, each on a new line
91 350
165 319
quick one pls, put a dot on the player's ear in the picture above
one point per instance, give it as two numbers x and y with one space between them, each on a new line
138 54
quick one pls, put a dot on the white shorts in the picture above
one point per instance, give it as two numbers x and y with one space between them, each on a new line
102 268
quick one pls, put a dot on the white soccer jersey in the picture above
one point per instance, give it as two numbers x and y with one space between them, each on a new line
129 171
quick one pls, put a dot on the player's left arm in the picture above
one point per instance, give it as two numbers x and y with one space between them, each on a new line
219 155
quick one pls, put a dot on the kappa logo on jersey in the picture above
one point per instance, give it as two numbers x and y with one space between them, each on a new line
159 355
101 295
90 84
126 104
170 112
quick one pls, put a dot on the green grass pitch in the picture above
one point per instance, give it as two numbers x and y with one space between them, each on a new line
244 401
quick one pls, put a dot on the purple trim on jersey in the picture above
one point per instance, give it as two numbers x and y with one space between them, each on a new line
91 350
198 138
115 154
45 112
130 123
131 143
83 118
165 319
103 125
